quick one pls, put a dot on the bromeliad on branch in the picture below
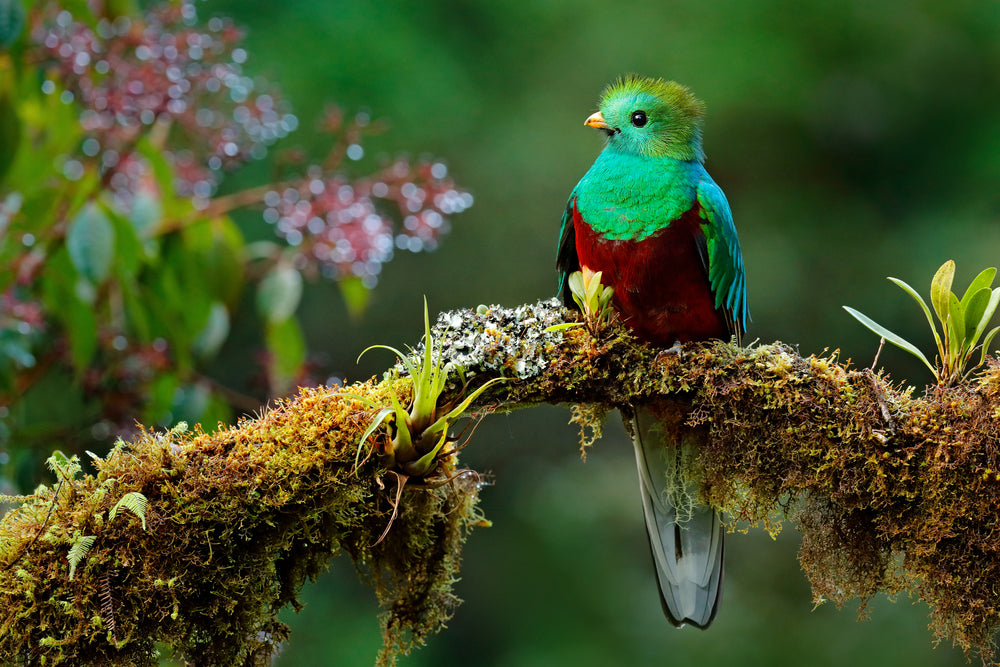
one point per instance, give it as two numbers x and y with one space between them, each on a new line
420 431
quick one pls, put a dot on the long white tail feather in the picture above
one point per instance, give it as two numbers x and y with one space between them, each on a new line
686 539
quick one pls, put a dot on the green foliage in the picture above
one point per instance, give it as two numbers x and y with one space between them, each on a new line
963 322
279 293
124 274
65 467
422 428
90 240
134 502
79 550
11 21
255 511
593 299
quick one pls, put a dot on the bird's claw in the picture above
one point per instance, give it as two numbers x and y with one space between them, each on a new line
673 349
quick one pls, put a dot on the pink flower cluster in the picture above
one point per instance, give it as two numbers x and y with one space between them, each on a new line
164 70
350 228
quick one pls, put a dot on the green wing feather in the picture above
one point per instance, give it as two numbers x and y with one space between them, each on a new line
567 260
725 261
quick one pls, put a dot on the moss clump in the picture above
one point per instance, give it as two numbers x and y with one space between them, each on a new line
237 521
890 492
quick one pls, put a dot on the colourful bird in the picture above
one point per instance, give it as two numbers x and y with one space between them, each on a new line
649 217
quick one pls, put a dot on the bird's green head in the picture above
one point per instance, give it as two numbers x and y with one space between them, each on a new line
651 117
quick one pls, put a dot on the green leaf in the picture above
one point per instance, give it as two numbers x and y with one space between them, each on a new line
424 463
288 352
160 399
190 402
956 328
11 21
90 240
67 467
564 326
988 312
279 293
146 213
80 9
983 280
129 251
78 552
941 289
576 288
376 423
427 382
356 296
986 343
896 340
923 306
457 411
975 308
215 332
10 130
163 174
134 502
81 329
224 260
592 289
62 299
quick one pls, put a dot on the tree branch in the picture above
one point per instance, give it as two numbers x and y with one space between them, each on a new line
890 491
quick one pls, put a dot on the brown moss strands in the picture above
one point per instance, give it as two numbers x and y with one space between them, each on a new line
891 491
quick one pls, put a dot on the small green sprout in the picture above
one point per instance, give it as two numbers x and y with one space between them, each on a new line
963 322
421 429
593 298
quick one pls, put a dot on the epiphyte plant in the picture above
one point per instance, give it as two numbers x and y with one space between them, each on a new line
421 430
963 322
593 299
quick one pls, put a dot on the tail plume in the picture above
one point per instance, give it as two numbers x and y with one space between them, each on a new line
686 538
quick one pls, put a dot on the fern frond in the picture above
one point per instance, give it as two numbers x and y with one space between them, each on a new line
78 552
134 502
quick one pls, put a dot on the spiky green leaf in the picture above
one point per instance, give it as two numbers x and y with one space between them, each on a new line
374 426
426 462
453 414
903 285
893 338
986 343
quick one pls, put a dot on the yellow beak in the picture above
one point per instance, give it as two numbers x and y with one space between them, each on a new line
596 120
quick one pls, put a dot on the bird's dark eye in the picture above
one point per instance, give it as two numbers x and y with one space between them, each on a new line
639 118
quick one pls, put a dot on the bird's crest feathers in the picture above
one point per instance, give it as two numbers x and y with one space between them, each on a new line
672 118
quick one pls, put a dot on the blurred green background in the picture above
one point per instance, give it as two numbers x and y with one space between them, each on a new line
855 140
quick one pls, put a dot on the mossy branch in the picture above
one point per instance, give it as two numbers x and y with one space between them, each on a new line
891 491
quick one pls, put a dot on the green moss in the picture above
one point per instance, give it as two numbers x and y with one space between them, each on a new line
237 522
891 491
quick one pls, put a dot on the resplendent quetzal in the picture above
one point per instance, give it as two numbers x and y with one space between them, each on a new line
651 219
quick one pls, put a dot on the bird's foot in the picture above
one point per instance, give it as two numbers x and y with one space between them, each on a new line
673 349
